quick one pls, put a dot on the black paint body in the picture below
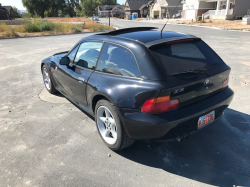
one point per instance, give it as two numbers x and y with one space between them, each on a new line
128 94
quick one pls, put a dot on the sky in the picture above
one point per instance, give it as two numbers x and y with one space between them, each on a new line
16 3
19 4
121 2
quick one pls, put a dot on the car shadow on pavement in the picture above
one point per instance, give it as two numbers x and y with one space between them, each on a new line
219 155
58 94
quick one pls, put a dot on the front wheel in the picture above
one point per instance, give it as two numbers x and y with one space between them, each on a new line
47 80
110 127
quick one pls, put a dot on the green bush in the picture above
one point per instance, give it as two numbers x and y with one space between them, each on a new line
31 26
47 26
39 26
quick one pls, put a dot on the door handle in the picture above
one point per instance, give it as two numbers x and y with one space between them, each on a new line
81 80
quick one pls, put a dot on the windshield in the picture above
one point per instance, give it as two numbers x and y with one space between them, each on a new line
181 56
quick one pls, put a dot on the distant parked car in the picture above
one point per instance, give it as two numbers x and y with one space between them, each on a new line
95 18
139 83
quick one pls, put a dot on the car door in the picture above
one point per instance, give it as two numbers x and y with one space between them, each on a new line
83 66
63 74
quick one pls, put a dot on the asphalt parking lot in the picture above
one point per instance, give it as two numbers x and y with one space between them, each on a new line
46 141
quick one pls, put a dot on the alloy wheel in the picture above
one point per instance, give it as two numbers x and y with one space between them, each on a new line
106 125
46 79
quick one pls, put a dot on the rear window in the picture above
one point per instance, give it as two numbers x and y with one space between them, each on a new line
176 57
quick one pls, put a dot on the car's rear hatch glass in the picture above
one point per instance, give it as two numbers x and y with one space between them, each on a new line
188 65
182 55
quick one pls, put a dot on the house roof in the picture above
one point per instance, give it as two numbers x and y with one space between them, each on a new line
162 2
7 8
3 9
136 5
173 3
143 6
101 7
167 3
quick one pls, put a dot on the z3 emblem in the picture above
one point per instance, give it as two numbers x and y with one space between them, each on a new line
179 90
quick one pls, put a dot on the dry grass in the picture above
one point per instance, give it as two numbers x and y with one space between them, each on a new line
93 26
39 27
3 27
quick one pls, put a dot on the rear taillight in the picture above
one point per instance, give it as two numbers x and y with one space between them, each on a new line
160 105
225 82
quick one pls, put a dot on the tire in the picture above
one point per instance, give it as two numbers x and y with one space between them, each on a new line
110 127
47 80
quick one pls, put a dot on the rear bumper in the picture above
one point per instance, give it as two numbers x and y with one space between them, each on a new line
139 125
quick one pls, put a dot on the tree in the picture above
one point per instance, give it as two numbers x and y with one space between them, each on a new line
56 8
15 12
71 7
37 6
89 7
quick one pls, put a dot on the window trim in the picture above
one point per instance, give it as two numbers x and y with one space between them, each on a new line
71 52
140 76
97 58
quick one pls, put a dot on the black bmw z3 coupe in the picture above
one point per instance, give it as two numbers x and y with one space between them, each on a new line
141 83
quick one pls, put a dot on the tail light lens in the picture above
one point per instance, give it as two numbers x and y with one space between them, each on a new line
160 105
225 82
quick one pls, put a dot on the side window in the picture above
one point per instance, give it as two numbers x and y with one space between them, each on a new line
87 54
117 60
73 54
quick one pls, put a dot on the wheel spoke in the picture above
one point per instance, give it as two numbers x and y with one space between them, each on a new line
103 119
106 133
46 78
114 134
112 121
106 125
107 114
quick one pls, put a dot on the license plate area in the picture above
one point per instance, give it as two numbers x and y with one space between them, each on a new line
206 119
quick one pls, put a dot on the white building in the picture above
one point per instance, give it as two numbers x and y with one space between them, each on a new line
165 8
215 9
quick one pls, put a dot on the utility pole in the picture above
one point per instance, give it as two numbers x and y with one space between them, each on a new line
109 18
107 7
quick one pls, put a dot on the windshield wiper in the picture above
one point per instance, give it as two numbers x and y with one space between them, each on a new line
194 71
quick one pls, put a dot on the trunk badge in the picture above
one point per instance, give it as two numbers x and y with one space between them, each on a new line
207 81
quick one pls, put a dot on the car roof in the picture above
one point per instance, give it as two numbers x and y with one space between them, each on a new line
146 35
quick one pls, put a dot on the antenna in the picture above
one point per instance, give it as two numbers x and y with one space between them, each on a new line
169 16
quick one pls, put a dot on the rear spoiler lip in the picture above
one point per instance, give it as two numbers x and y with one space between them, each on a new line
156 42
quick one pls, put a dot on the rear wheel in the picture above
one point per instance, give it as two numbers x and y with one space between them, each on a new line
110 127
47 80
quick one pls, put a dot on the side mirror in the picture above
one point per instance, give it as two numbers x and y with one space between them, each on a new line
82 63
64 61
